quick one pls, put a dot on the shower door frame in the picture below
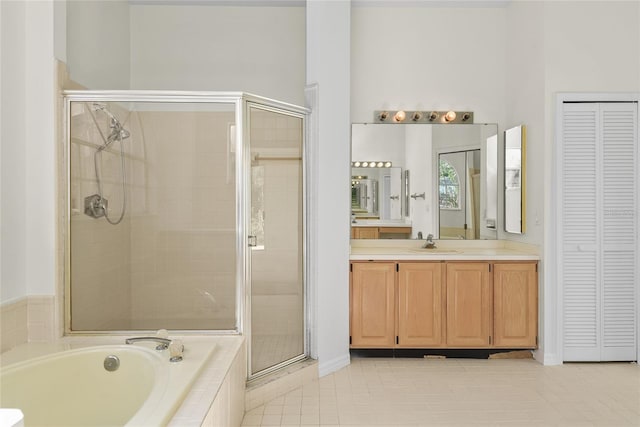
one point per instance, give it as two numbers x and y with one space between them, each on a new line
242 103
270 105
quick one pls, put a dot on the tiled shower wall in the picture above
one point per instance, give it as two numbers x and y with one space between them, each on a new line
100 252
183 250
171 262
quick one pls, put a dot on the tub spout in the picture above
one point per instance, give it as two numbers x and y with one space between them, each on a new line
163 343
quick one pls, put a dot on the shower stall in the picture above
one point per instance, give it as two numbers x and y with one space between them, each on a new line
185 211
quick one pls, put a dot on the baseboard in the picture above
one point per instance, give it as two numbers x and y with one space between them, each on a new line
329 366
549 359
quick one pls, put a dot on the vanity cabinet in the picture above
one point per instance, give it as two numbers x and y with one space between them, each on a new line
469 314
373 307
438 304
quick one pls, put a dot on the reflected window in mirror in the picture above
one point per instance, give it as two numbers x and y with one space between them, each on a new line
449 186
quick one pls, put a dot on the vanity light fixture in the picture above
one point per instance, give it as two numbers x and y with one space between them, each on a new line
441 117
372 164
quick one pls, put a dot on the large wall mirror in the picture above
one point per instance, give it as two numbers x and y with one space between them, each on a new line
412 180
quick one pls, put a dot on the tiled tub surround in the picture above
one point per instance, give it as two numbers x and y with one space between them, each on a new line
216 398
447 250
28 319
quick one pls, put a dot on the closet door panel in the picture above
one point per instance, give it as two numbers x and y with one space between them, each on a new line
579 232
619 221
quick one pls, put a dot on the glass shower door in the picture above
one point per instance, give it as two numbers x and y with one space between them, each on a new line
277 327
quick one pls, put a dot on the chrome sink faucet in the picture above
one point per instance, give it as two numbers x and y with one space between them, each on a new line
429 244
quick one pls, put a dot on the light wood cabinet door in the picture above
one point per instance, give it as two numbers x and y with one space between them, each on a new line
420 305
469 311
515 302
373 305
366 233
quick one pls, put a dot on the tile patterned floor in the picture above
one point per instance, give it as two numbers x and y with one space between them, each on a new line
461 392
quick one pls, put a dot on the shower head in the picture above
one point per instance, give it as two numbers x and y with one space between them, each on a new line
118 132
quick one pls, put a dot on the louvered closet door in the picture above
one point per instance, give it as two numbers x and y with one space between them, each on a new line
618 231
597 231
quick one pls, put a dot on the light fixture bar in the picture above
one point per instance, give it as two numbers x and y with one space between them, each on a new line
403 116
371 164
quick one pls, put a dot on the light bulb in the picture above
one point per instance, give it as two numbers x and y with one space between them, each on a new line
450 116
400 116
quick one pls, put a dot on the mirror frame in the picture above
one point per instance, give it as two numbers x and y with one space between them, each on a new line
516 138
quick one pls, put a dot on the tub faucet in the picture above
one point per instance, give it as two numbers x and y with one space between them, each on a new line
429 244
163 343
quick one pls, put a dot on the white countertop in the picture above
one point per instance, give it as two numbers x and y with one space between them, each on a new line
446 250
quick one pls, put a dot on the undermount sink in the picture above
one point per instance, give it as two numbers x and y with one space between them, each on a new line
440 251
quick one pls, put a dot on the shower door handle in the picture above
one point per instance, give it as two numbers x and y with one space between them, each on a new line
253 241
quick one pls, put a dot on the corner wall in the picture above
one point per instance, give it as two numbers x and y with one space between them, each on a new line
328 65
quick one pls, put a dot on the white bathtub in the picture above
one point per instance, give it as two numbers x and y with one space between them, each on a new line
72 388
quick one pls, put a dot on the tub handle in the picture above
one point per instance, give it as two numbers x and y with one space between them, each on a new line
175 351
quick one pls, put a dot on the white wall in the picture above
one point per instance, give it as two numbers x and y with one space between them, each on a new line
40 136
28 150
13 150
259 50
328 65
428 58
98 43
